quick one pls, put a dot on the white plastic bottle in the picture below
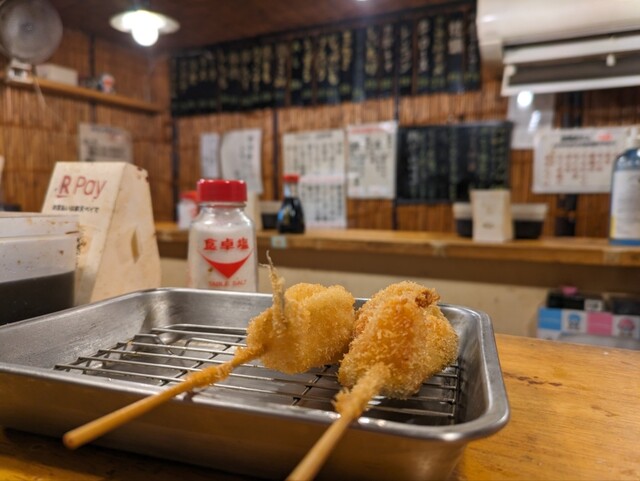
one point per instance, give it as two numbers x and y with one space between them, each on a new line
624 227
222 239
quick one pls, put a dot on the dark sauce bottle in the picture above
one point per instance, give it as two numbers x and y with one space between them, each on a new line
290 215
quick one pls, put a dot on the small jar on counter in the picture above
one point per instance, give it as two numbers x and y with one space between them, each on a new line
187 209
222 239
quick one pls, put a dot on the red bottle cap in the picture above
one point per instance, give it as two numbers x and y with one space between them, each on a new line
212 190
290 177
190 195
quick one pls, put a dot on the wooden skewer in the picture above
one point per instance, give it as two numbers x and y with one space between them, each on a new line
316 457
353 404
96 428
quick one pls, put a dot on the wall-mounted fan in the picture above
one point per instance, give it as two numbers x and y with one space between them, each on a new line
30 31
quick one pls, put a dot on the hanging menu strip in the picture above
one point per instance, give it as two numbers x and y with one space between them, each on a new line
441 163
427 50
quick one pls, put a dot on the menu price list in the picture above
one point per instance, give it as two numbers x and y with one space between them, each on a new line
442 163
428 50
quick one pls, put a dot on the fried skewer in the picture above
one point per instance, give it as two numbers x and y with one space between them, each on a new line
307 326
402 339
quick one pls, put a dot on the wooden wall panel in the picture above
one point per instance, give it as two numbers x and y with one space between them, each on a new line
190 129
37 131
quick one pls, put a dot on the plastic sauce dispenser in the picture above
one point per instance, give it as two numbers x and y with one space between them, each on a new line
222 239
290 215
624 227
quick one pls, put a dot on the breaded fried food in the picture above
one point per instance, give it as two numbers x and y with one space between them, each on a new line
314 327
308 325
402 340
403 329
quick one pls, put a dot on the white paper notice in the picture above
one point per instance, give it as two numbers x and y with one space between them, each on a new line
210 155
371 164
324 200
314 153
240 157
103 143
533 114
319 158
573 161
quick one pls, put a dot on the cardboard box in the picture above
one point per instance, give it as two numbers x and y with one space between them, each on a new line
555 324
56 73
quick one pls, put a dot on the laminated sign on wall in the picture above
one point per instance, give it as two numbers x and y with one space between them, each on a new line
118 252
104 143
319 158
574 161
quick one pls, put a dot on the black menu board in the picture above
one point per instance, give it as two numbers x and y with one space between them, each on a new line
423 51
405 58
281 74
441 163
328 69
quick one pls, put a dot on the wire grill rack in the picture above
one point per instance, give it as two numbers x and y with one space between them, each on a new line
164 355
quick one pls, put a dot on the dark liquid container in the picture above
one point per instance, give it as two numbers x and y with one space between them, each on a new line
33 297
290 215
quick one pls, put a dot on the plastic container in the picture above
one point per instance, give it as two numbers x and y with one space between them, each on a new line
624 226
291 215
269 213
37 264
187 209
528 219
222 239
463 217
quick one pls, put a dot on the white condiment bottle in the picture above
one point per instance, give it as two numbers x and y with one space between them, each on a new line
624 222
222 239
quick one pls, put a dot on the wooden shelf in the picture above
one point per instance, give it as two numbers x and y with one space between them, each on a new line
81 93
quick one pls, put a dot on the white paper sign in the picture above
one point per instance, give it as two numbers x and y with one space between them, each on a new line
103 143
371 164
319 158
210 155
314 153
491 213
324 200
573 161
533 114
240 157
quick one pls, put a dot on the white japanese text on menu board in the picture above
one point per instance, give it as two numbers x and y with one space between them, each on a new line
573 161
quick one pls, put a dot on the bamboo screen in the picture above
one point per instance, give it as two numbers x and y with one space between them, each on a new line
37 131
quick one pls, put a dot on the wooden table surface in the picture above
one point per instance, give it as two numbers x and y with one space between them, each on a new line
548 250
575 415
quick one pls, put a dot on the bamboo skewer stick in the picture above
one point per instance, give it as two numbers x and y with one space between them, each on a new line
351 404
98 427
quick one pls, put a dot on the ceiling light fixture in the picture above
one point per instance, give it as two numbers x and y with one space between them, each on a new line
145 26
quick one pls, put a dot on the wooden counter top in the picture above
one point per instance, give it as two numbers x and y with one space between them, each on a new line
574 415
577 251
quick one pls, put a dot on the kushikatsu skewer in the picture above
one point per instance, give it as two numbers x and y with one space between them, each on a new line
402 339
308 325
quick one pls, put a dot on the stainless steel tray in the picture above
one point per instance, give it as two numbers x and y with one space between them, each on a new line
62 370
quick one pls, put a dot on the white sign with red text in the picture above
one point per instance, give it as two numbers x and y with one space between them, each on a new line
117 251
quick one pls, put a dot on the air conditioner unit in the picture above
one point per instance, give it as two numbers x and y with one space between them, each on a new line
546 46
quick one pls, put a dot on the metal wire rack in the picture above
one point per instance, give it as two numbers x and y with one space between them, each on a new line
164 355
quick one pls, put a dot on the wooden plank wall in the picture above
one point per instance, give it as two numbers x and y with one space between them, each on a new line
596 108
34 135
37 131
